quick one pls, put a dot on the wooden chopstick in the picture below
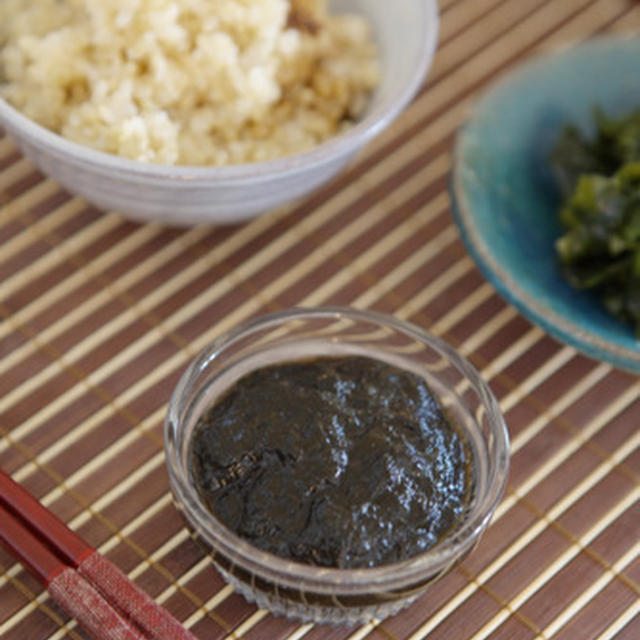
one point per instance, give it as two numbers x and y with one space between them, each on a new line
73 552
66 586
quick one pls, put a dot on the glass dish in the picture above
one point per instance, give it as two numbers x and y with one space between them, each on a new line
322 594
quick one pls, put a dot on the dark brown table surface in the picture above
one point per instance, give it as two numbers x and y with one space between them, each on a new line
99 316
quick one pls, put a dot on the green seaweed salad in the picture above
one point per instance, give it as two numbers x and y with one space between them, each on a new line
599 180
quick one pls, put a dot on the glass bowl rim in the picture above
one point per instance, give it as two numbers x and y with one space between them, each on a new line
330 579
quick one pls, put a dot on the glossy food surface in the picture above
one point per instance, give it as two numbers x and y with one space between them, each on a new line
338 462
599 179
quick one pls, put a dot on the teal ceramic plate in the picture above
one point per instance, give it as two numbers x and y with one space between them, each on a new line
504 197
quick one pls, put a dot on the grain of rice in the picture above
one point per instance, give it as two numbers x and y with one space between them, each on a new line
198 82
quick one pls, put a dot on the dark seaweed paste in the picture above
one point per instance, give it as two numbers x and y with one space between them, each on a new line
337 461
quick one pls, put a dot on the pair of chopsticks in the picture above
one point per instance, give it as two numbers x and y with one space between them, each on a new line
85 584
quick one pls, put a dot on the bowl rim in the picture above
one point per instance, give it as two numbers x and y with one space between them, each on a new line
539 311
289 573
363 131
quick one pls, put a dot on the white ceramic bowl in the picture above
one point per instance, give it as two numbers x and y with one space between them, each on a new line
406 33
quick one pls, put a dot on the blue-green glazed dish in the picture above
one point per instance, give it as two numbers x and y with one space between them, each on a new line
504 197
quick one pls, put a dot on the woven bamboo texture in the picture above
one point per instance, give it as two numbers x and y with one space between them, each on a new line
99 316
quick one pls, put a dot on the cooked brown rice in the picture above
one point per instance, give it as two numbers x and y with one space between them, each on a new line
187 81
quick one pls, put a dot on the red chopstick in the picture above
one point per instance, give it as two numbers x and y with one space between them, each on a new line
54 550
66 586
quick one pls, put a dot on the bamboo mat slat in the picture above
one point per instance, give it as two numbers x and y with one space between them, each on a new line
99 317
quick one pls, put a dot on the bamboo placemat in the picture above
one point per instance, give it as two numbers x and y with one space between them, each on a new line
100 316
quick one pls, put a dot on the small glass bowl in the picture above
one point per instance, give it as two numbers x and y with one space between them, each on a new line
321 594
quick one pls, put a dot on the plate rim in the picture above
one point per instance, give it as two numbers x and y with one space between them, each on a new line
552 322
